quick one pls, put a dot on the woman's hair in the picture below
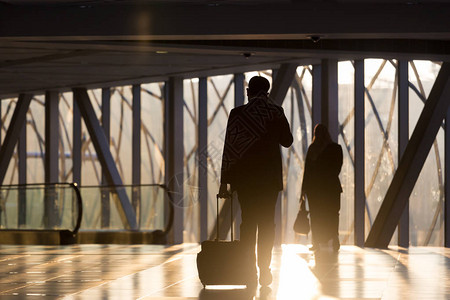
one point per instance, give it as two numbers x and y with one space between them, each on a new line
321 135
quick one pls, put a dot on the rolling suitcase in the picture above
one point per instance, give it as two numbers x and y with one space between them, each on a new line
222 262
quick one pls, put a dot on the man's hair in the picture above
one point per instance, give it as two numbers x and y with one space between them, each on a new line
257 85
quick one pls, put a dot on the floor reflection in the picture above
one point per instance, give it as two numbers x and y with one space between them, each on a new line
155 273
238 294
263 293
297 275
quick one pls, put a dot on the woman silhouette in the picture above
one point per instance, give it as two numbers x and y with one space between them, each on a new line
322 187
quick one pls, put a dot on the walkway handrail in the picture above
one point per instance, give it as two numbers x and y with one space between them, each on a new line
169 224
80 207
45 185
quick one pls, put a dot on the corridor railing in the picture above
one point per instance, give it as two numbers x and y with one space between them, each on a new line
40 208
152 204
64 213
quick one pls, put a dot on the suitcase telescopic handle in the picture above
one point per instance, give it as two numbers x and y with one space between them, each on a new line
231 214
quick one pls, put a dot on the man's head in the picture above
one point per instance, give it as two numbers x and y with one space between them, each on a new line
258 86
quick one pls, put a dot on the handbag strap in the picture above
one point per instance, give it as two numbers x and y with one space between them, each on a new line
303 203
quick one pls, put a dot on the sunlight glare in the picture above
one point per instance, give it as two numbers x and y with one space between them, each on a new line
296 279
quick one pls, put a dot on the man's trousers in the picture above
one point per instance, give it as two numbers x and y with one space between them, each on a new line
258 213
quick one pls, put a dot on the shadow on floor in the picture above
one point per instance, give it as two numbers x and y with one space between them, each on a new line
265 293
237 294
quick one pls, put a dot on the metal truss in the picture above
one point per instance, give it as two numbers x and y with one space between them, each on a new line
411 163
387 148
221 89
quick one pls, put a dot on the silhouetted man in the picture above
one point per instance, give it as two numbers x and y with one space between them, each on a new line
251 164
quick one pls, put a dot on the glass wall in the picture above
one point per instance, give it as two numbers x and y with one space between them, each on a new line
190 121
220 102
152 133
381 146
8 106
297 108
36 140
427 199
346 75
65 136
121 130
91 171
11 177
381 131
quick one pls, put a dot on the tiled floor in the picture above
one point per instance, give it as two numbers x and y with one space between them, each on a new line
157 272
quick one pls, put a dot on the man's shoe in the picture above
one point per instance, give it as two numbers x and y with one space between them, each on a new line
265 277
336 245
313 248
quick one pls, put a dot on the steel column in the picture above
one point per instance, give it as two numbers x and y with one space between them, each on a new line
136 150
105 158
76 149
447 182
22 195
202 155
51 169
239 93
239 99
282 82
76 143
224 220
51 136
360 196
316 96
18 120
329 105
175 153
1 122
403 137
412 161
167 210
106 125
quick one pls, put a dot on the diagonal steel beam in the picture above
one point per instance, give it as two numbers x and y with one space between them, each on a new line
12 135
101 146
412 161
282 82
